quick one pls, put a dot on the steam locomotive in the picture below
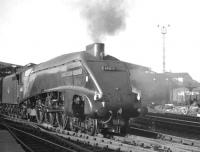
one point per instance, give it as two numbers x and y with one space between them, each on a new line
85 91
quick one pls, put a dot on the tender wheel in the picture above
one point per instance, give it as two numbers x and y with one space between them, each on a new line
39 116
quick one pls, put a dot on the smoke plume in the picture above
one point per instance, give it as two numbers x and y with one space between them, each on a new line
104 17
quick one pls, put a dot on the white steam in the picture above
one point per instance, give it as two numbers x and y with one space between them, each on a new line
104 17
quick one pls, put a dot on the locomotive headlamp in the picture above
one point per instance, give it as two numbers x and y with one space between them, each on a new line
86 78
103 104
136 91
139 110
138 97
96 96
119 111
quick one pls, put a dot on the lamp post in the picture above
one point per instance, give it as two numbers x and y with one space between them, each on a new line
163 29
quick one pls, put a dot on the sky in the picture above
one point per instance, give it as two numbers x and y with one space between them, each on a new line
34 31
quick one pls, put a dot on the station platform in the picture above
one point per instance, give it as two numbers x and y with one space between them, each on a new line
8 143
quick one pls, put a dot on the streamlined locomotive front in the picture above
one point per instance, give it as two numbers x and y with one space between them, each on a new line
114 92
117 95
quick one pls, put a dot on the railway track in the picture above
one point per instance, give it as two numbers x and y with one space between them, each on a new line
130 143
166 137
36 141
92 143
183 126
179 119
176 116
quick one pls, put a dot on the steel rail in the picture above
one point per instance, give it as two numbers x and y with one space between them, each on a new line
41 139
125 143
20 141
173 119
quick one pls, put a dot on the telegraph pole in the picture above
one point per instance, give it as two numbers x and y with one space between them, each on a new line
163 29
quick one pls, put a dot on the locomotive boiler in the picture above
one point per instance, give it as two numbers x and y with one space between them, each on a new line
85 91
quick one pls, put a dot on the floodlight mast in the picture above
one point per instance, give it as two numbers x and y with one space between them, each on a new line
163 29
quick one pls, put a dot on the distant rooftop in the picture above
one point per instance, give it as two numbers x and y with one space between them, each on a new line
7 68
186 79
4 65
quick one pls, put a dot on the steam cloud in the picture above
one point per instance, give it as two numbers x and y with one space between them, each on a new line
104 17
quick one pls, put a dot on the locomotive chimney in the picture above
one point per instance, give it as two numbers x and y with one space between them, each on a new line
96 49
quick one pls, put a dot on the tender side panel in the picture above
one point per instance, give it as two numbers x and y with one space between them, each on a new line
9 90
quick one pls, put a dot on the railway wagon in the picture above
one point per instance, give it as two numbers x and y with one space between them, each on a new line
85 91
